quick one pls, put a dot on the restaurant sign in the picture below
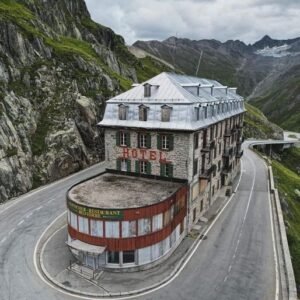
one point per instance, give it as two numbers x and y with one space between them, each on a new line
111 214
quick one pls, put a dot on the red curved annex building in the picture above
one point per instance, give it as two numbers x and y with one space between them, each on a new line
117 221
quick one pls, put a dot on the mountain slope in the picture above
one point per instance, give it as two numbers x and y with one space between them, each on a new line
265 73
57 68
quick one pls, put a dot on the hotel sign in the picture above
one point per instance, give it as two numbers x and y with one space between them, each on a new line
110 214
144 154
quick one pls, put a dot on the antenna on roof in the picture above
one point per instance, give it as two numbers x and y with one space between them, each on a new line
199 62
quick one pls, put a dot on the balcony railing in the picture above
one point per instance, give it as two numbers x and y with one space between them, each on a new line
228 152
205 173
239 154
208 146
227 169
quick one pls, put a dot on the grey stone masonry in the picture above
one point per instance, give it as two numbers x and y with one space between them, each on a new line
179 157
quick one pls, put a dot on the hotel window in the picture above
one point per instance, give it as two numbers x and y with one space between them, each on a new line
167 217
96 228
147 90
73 222
128 257
123 110
165 142
205 112
196 140
113 257
157 222
143 167
195 167
166 113
83 224
128 228
112 229
143 113
124 165
144 140
144 226
166 170
123 138
197 113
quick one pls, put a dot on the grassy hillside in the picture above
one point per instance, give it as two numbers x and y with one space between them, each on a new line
258 126
286 174
282 102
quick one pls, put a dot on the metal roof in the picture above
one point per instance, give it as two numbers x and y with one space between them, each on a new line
183 93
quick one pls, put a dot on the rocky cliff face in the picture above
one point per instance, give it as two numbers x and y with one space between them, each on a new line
57 68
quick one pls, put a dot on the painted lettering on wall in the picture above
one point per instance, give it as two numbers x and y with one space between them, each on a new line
94 212
144 154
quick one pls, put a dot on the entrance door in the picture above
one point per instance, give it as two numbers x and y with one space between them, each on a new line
89 261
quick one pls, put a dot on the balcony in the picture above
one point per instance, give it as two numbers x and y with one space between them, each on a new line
227 133
208 146
239 154
228 152
227 169
240 140
205 173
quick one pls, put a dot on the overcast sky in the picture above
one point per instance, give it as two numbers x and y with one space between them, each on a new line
246 20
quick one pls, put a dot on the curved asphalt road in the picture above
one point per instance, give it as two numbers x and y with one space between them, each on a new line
236 261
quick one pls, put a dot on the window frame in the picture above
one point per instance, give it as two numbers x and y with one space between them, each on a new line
123 112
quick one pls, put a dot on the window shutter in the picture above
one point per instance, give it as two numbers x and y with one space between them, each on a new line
162 169
118 138
137 166
170 170
171 142
128 165
159 142
128 139
148 168
139 140
118 164
148 140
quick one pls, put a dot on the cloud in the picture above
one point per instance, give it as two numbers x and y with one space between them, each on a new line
246 20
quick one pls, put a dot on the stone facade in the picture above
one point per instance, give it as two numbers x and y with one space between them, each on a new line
208 158
204 121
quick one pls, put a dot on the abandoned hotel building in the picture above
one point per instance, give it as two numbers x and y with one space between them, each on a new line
171 144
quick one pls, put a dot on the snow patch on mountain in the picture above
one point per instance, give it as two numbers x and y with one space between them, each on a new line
276 51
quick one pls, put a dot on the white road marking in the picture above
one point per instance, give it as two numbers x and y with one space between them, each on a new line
38 208
29 215
229 269
20 223
11 231
225 279
3 240
142 293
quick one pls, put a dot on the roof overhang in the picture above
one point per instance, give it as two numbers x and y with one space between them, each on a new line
81 246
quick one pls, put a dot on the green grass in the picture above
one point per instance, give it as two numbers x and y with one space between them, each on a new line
256 124
287 181
148 67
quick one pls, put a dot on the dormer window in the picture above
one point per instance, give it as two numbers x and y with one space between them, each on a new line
123 111
143 112
147 90
166 113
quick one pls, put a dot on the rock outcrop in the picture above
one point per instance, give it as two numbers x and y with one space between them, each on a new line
57 68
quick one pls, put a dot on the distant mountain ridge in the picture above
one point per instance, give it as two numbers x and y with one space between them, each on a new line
265 72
